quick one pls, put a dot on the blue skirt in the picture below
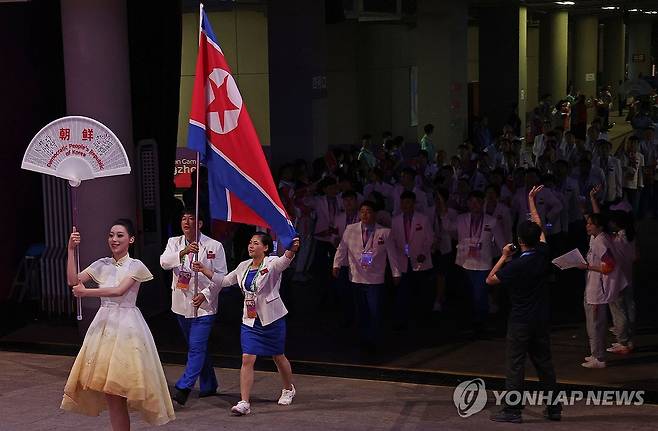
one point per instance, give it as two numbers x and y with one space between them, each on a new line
262 340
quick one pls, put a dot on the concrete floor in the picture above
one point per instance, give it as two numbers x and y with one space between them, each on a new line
31 389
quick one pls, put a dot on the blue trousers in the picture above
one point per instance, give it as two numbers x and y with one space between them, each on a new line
199 365
369 304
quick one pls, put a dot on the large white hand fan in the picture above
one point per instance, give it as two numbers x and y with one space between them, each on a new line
77 149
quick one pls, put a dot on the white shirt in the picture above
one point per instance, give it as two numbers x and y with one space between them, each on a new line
211 255
603 288
633 171
613 177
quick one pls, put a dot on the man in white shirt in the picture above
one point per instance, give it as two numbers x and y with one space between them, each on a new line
412 236
365 247
479 240
195 313
611 167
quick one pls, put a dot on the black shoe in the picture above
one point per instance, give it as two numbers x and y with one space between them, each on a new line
552 415
180 396
208 393
511 416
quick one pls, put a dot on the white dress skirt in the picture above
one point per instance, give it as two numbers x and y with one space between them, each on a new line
118 355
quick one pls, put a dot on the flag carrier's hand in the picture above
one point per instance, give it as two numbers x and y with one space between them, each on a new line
198 299
74 239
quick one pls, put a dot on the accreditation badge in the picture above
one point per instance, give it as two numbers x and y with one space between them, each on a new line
366 259
474 249
184 278
250 305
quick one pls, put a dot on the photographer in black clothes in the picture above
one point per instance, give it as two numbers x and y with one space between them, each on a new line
526 279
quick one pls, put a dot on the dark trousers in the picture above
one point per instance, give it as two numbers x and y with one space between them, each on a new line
369 305
414 296
533 340
479 294
199 364
345 294
322 263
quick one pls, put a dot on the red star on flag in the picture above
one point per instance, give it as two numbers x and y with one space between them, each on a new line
222 102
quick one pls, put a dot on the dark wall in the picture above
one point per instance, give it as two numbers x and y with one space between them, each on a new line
499 64
32 91
293 59
154 30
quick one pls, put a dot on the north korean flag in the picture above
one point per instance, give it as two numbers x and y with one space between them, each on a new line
241 188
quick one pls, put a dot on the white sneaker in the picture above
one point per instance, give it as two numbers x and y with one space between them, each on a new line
589 358
287 396
241 408
594 363
619 349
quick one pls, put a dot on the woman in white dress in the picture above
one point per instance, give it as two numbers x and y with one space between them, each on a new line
118 367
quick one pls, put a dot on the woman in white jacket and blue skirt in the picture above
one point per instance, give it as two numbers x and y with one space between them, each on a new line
263 329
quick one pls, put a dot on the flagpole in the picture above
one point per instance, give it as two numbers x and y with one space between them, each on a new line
74 204
200 21
195 289
196 225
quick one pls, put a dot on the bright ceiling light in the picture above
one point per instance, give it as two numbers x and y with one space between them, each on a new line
609 7
632 10
565 3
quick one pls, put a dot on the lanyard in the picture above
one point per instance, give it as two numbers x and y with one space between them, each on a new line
478 230
407 226
253 281
369 239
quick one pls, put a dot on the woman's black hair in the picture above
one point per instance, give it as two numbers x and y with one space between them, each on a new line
266 239
127 223
599 220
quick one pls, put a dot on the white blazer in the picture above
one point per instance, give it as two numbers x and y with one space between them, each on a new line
269 306
351 247
211 255
420 240
488 243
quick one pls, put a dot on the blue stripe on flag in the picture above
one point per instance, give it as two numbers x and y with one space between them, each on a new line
207 28
196 140
222 175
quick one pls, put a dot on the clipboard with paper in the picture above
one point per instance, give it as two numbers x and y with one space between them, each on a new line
572 259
